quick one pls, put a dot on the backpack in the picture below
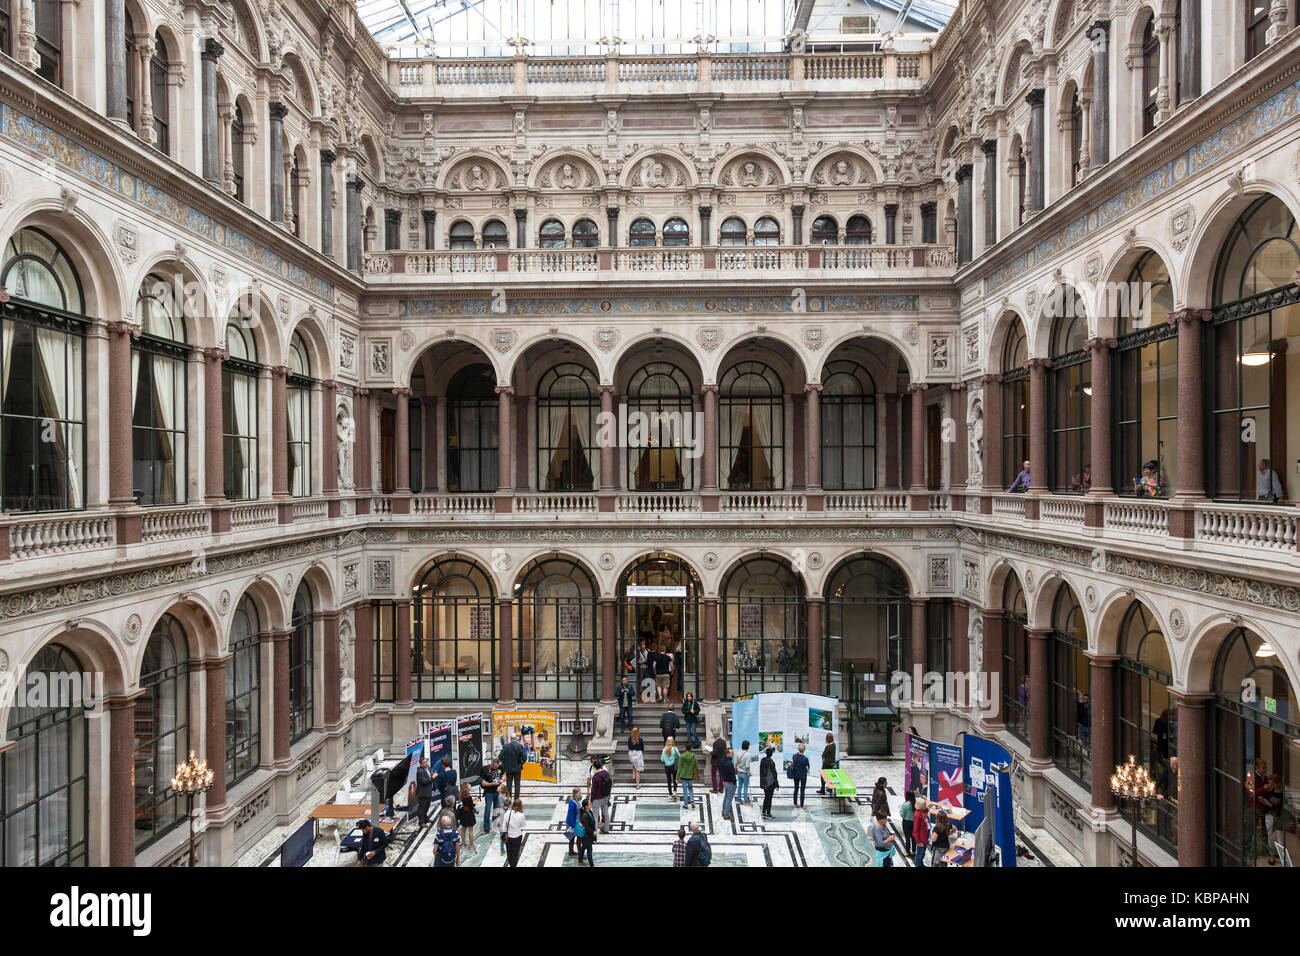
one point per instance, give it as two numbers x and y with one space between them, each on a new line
705 856
447 848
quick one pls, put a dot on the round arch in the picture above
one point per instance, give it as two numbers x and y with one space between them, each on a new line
1196 279
103 283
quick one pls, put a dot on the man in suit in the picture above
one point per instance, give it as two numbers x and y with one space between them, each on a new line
513 758
423 789
373 842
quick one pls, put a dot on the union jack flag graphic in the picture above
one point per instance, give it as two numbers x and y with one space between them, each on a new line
950 787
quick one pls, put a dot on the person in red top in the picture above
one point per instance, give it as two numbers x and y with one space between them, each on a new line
921 830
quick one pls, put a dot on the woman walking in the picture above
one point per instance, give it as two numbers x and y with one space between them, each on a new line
466 818
636 754
767 781
512 831
669 759
586 834
742 775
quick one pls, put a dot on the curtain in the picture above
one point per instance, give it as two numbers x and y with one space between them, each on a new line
6 357
761 437
51 347
241 407
556 439
586 436
736 421
167 452
854 436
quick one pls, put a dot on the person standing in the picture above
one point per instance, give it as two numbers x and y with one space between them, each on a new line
466 818
727 772
490 782
423 791
920 832
830 758
447 779
373 843
687 764
679 848
586 834
880 798
512 765
625 694
571 820
446 844
698 851
663 665
799 766
691 711
742 774
669 757
882 840
940 839
636 755
512 831
602 784
1021 483
767 781
718 751
669 723
908 813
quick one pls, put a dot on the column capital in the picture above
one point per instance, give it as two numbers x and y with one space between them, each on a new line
356 182
1100 26
428 215
710 387
706 210
279 110
966 170
279 371
1189 315
989 147
402 392
607 389
329 385
360 392
1097 344
813 387
521 215
216 355
797 209
212 49
123 328
919 601
891 208
1034 98
327 157
1101 660
990 378
957 386
1034 363
505 389
917 386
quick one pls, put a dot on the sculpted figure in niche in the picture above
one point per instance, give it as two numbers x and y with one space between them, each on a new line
749 173
654 173
841 173
568 177
346 430
975 459
477 179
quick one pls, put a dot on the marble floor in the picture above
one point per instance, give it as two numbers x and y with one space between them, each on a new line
644 824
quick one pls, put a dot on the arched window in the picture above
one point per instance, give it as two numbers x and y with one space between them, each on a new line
551 235
857 231
239 377
453 651
1150 74
764 642
461 235
848 427
237 151
243 693
1069 391
159 367
660 426
1015 404
44 775
159 69
472 430
302 654
1146 718
1069 689
751 429
1254 729
585 234
641 233
1256 27
1076 137
677 232
661 623
298 391
1145 381
825 231
568 403
867 632
1015 659
767 232
48 16
1255 390
557 654
42 389
162 731
494 235
732 232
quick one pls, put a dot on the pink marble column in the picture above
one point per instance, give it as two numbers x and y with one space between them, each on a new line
279 433
992 432
917 391
121 778
1191 412
505 650
959 467
1101 698
215 731
893 439
993 667
402 439
361 463
608 647
363 655
280 694
330 667
710 478
608 458
709 647
813 436
1038 425
1039 748
960 637
121 484
402 661
214 479
815 666
919 606
505 401
1100 407
329 437
1193 776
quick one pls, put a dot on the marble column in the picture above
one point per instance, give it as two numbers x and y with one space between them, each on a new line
115 64
211 50
327 157
1037 167
965 211
1099 34
814 623
1193 779
329 437
521 228
1100 416
330 668
992 664
919 606
505 651
505 402
1164 30
796 222
1101 697
363 654
353 209
608 647
121 780
214 676
709 648
611 225
812 436
917 390
279 433
121 481
608 452
402 439
402 656
430 217
1039 749
214 479
361 463
992 393
710 480
278 112
990 149
280 694
959 469
1038 424
1191 402
706 236
891 223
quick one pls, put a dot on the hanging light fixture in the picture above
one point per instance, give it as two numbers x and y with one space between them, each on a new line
1254 359
1266 650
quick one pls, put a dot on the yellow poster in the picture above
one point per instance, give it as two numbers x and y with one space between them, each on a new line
538 732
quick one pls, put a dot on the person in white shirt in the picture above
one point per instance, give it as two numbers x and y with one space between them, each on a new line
512 831
742 775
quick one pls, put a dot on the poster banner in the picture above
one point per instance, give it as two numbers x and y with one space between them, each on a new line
783 722
469 747
538 731
982 758
744 724
440 744
916 751
946 780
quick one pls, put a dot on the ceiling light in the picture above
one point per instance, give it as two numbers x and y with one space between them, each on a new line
1254 359
1266 650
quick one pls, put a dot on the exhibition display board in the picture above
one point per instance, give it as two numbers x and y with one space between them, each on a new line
959 776
460 739
783 721
539 732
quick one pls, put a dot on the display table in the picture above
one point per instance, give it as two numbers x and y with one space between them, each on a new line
963 846
956 815
841 788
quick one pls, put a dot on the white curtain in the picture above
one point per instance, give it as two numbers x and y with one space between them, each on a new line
556 417
170 453
854 437
51 348
585 419
737 418
242 399
762 439
6 356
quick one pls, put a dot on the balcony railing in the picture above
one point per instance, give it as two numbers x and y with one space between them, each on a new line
1138 517
311 509
261 514
867 501
470 504
661 502
1273 529
60 534
167 525
557 503
1065 511
761 502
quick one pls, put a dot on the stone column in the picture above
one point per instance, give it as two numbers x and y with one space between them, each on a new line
709 648
959 466
280 694
796 223
814 625
1038 424
710 482
609 479
1036 162
361 464
917 390
215 731
993 665
214 479
1039 749
611 224
1100 429
1101 687
121 780
327 157
1164 29
278 113
706 235
992 393
1193 779
402 656
893 439
121 483
521 228
363 654
1099 34
961 639
1191 402
965 210
430 217
608 647
813 436
990 150
279 433
919 605
891 223
402 439
1189 58
505 651
355 185
211 50
330 667
329 437
115 64
505 401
